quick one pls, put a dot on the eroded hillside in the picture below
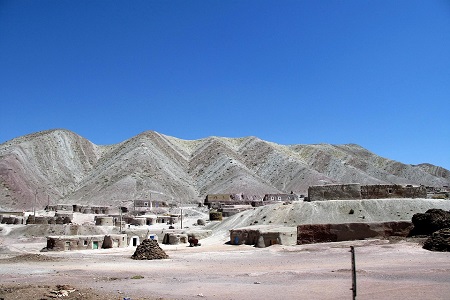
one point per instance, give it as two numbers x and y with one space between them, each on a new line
59 166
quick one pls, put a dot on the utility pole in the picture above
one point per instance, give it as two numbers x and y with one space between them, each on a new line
352 251
181 214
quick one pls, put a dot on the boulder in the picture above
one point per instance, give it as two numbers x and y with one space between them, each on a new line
438 241
430 221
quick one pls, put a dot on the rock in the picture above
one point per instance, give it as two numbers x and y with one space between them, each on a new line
430 221
148 250
438 241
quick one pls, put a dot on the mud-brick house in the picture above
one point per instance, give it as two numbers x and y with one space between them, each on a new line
168 219
12 219
215 201
80 208
104 221
279 198
60 207
264 235
104 210
145 205
85 242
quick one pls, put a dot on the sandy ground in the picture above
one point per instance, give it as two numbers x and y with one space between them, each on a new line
395 269
385 270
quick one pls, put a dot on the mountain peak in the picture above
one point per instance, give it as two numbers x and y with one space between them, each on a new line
62 167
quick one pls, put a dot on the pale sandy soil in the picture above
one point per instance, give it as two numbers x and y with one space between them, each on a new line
400 270
215 270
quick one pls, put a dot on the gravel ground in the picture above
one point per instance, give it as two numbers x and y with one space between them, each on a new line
385 270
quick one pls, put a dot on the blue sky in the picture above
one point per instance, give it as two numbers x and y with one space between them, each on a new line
374 73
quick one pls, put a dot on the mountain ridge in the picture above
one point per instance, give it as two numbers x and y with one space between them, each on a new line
60 166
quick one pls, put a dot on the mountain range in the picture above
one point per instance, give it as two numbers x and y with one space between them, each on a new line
58 166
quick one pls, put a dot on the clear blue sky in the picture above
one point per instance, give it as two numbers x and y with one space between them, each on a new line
374 73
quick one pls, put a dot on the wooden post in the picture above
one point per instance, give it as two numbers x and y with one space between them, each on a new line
352 250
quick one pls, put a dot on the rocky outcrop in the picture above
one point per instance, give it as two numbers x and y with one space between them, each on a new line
148 250
430 221
438 241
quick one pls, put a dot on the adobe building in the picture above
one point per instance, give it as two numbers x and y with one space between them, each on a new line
217 200
57 219
355 191
279 198
60 207
12 219
264 235
145 205
85 209
104 221
85 242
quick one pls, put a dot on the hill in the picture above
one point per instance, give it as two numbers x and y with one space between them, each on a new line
59 166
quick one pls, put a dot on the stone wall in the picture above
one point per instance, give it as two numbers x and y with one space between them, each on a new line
321 233
334 192
383 191
356 191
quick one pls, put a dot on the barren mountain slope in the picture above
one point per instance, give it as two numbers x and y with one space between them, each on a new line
58 166
49 164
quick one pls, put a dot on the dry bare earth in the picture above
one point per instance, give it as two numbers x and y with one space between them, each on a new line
70 169
385 270
397 270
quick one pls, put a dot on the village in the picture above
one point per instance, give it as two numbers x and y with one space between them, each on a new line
163 221
225 241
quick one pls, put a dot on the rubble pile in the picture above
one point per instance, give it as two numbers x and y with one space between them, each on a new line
430 221
434 223
438 241
149 249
